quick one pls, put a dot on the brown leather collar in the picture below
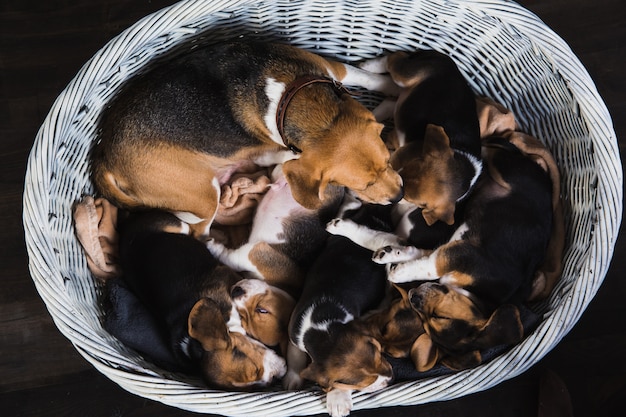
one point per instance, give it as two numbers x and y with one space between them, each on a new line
291 91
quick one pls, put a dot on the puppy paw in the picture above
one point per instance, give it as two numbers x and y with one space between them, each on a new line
292 380
375 65
339 402
341 227
395 254
400 272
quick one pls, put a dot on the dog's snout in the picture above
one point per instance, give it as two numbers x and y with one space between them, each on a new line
236 292
415 298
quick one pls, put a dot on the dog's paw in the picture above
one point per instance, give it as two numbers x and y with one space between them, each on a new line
395 254
400 272
341 227
292 380
339 402
376 65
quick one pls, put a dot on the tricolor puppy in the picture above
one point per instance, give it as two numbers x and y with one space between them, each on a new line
284 238
400 332
436 134
188 293
487 268
174 134
341 285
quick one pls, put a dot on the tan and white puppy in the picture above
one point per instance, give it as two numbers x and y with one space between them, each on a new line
174 134
187 292
284 236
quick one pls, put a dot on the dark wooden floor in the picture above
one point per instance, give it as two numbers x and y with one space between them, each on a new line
43 43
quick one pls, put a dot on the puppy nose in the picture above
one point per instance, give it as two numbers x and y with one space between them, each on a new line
415 298
236 292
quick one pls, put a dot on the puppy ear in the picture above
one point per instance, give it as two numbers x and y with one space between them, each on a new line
306 183
436 141
464 361
503 327
206 324
315 373
424 353
403 293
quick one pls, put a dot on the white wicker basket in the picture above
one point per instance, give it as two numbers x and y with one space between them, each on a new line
505 51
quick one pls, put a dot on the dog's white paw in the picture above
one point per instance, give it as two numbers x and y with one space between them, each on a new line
339 402
421 269
341 227
292 380
376 65
395 254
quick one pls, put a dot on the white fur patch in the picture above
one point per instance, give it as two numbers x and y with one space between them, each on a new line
273 366
380 383
186 217
362 235
478 168
274 91
339 402
234 322
308 323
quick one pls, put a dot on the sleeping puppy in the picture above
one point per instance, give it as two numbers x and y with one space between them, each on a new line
188 294
487 267
436 133
340 286
177 132
400 332
284 238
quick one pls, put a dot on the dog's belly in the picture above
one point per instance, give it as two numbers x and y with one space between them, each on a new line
277 205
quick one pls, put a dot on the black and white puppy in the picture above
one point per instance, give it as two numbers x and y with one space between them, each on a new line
341 285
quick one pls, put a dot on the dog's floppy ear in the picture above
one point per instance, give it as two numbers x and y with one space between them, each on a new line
424 353
504 327
463 361
436 141
305 180
206 324
315 373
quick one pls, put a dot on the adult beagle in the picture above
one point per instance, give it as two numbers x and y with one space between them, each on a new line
177 132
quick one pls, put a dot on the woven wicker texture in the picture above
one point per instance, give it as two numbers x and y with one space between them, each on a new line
504 51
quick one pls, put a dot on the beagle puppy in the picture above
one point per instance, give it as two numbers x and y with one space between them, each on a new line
400 331
177 132
188 295
476 281
340 286
436 133
284 237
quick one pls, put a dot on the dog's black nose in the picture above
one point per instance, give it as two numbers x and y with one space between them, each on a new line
415 298
237 291
398 196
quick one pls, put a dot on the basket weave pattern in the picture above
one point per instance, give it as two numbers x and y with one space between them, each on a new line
504 51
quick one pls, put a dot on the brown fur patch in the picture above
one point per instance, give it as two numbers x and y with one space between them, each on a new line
220 366
277 268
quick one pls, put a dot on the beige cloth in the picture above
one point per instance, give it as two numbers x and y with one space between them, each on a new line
95 221
240 197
